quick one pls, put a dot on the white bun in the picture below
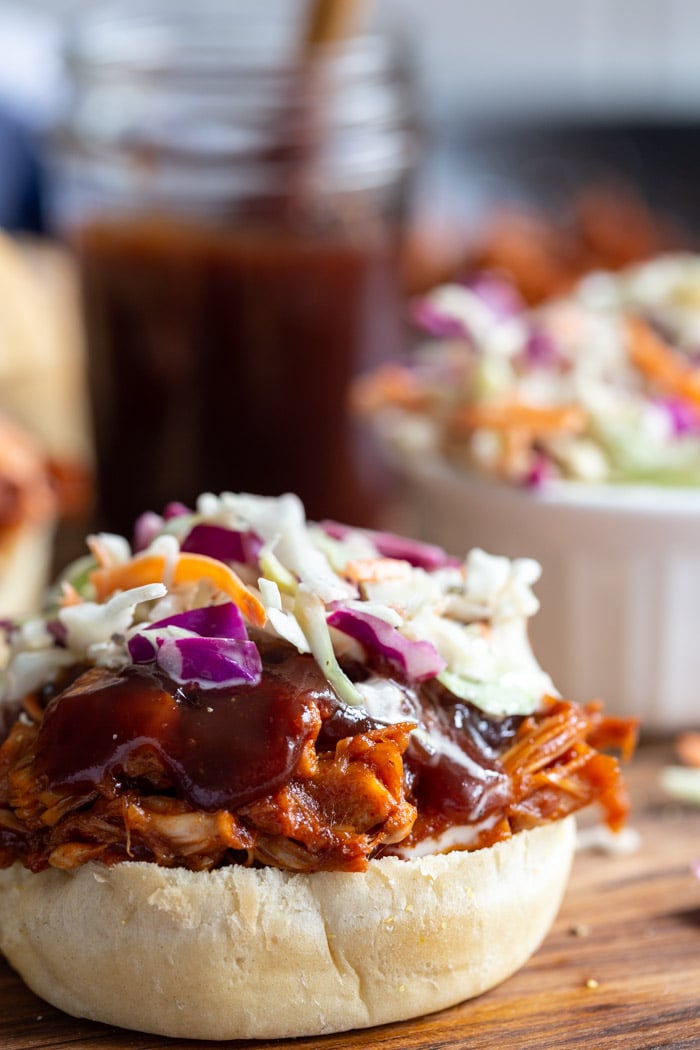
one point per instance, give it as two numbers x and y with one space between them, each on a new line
243 953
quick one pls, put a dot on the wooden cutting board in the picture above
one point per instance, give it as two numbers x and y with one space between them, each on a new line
620 969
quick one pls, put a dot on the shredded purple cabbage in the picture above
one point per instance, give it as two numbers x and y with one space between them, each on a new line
427 317
416 660
420 555
336 530
175 510
146 528
541 350
142 649
218 639
210 663
541 471
497 293
58 631
224 544
390 545
211 621
683 416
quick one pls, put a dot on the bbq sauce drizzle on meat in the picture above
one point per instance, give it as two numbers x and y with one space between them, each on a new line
214 752
225 750
126 765
112 735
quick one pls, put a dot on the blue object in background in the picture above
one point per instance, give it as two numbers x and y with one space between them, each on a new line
20 179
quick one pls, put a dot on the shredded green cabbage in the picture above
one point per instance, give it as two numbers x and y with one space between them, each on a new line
491 697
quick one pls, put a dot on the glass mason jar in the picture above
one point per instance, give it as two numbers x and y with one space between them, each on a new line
237 214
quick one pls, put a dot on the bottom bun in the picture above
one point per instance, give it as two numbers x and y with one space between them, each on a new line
258 953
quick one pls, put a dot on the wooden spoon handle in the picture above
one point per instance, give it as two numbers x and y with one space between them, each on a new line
331 21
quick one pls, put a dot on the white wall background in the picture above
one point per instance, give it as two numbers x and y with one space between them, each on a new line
485 58
561 57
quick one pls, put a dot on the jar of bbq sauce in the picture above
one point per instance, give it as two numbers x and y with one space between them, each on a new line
237 213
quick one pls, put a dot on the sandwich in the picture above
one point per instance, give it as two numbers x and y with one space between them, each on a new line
263 777
45 457
28 514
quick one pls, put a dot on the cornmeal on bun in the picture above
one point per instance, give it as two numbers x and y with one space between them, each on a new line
294 778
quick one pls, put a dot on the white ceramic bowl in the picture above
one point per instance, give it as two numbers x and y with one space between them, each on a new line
620 588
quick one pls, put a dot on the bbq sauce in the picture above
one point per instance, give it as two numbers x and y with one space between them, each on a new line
238 217
462 779
219 750
221 359
224 749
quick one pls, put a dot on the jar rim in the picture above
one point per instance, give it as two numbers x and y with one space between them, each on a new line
234 120
174 41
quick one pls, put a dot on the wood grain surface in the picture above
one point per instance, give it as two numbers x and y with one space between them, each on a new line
620 969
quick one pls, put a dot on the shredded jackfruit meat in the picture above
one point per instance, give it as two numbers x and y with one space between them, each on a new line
348 800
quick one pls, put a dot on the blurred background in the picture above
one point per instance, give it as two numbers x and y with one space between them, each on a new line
517 103
214 217
243 243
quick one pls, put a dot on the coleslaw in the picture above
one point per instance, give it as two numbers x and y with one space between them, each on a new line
396 606
602 385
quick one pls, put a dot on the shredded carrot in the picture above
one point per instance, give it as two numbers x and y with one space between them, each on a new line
149 568
375 570
391 384
659 363
188 568
515 415
100 552
517 448
688 748
69 595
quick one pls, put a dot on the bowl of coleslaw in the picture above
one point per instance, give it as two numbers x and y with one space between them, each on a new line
570 434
